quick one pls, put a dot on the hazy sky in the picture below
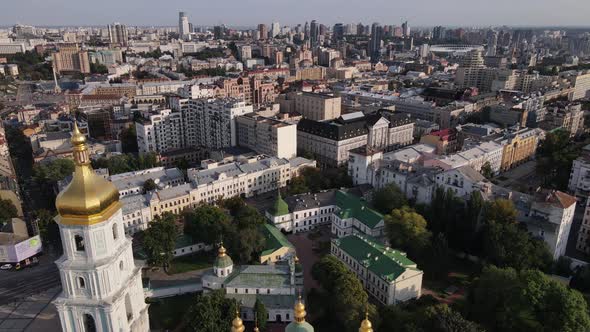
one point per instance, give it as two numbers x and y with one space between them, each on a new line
251 12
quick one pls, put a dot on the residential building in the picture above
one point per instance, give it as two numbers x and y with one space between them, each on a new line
519 146
159 131
69 58
579 182
242 177
550 218
445 141
388 275
583 241
267 135
118 34
131 183
313 106
568 117
183 25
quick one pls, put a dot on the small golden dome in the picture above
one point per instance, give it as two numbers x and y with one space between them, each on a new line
299 310
221 252
237 325
89 198
366 325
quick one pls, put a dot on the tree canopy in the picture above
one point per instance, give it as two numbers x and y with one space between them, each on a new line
160 239
313 179
127 162
407 230
527 300
341 302
389 198
7 211
555 156
211 312
53 171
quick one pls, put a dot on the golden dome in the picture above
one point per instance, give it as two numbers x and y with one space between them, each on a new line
299 310
366 325
221 252
89 198
237 325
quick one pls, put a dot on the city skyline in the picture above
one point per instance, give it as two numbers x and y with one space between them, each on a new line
570 13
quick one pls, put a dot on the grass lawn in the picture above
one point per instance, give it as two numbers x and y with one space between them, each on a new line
192 262
167 313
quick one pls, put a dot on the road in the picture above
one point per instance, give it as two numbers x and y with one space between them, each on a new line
24 95
17 285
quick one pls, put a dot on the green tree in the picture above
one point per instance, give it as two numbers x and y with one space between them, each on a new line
160 239
261 314
406 230
486 170
441 318
128 138
206 224
527 300
7 211
506 245
149 185
233 204
342 301
389 198
244 244
211 312
500 211
555 156
53 171
48 230
98 68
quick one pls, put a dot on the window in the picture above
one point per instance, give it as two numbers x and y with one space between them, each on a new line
79 241
81 282
115 231
121 266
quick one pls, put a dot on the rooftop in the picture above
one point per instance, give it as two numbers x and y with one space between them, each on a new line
383 261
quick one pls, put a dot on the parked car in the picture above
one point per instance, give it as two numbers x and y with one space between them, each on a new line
6 267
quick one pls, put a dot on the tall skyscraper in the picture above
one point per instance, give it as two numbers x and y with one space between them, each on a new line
406 29
275 29
263 31
183 27
438 33
118 34
337 32
375 43
492 43
102 287
314 33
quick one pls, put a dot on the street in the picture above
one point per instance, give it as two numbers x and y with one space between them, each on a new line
17 285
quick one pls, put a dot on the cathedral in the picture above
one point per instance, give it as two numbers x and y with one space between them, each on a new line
101 285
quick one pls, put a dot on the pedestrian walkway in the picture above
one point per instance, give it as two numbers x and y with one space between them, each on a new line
32 314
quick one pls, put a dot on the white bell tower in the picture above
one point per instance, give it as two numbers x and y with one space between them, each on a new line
102 287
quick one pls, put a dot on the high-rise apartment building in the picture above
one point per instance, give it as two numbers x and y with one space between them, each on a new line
275 29
406 29
69 58
267 136
314 33
263 31
375 42
313 106
183 26
118 34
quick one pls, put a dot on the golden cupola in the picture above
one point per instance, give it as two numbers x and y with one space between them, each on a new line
366 325
89 198
237 325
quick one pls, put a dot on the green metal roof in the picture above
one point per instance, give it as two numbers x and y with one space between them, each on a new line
223 262
274 239
385 262
280 208
352 207
299 327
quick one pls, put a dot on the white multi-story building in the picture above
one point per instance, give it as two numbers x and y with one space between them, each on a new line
131 183
387 274
249 177
160 131
212 122
462 181
101 285
579 183
345 213
583 241
267 136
